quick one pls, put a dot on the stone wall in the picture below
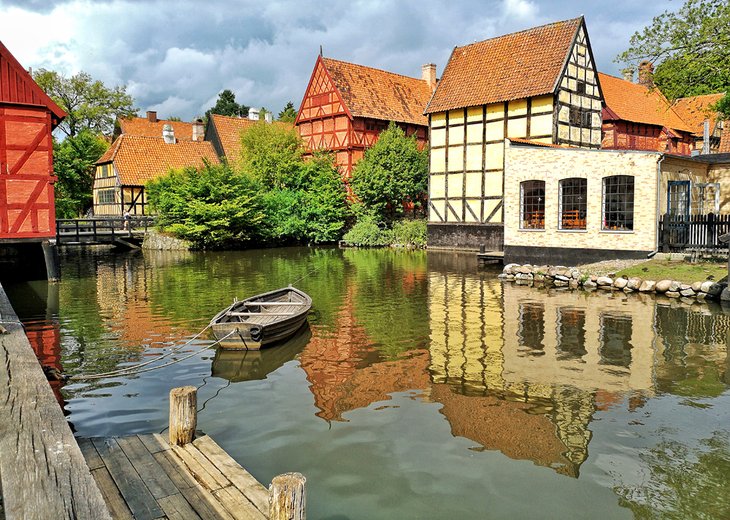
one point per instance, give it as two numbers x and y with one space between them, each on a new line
153 240
553 164
467 237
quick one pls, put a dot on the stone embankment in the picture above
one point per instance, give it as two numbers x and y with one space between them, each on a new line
155 241
572 278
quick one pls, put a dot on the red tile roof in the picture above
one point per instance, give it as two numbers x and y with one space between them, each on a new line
513 66
694 110
636 103
725 139
138 159
378 94
142 126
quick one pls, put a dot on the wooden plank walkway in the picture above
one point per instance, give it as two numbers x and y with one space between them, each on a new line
144 478
490 257
42 471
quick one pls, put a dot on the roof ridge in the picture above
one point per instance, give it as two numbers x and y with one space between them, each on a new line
373 68
521 31
701 95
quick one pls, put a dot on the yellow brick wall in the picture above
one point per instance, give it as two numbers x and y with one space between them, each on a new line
721 173
551 165
678 169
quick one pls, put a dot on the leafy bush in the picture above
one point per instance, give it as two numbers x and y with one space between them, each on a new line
410 233
272 153
392 175
214 207
367 232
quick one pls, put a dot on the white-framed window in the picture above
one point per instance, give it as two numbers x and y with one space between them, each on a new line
573 203
532 205
618 203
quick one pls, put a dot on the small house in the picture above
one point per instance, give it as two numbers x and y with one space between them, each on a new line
346 106
133 160
702 118
638 117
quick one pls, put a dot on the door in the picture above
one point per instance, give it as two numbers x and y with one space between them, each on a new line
678 208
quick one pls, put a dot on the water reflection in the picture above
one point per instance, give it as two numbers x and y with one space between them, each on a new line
599 387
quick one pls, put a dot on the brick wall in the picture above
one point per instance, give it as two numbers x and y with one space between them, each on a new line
553 164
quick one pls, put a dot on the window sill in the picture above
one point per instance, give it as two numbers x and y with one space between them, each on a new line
541 230
572 230
616 232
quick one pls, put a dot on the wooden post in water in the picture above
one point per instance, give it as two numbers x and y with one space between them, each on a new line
183 414
287 498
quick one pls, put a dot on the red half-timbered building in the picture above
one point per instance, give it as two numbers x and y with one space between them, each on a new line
27 118
639 117
346 106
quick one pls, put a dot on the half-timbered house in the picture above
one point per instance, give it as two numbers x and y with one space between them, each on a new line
639 117
132 161
346 106
540 85
27 204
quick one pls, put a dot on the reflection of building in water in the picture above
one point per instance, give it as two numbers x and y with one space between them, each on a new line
558 355
346 372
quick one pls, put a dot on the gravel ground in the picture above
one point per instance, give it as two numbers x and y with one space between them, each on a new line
607 267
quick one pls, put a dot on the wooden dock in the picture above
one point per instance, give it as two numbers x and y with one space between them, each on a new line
144 478
42 471
490 257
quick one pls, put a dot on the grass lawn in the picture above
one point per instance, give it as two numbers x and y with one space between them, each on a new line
676 270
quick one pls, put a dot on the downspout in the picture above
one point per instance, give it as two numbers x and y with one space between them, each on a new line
658 202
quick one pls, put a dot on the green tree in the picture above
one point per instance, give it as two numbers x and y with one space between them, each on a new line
691 47
393 173
324 201
273 155
89 103
289 114
73 164
214 207
226 105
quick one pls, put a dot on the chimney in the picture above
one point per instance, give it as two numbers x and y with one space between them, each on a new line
646 74
198 130
152 116
269 117
628 74
428 74
168 134
253 114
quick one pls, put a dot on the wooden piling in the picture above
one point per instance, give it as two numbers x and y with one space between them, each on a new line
183 415
287 498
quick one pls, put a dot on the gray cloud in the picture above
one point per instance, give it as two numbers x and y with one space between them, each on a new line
176 57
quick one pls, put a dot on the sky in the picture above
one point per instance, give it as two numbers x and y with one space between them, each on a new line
176 56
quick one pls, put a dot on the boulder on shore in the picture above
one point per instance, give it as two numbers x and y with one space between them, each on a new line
663 286
604 280
634 283
620 283
647 286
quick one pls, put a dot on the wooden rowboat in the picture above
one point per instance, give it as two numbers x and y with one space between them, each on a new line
261 320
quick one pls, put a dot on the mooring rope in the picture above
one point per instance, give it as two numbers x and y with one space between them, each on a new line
134 370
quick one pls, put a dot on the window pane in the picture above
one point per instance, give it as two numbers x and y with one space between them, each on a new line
532 205
573 203
618 203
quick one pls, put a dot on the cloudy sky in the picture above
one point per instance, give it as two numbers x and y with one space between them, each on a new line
175 56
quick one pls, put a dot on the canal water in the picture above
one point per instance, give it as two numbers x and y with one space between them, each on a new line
422 388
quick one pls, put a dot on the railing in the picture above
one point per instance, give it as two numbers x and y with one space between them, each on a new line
100 230
695 232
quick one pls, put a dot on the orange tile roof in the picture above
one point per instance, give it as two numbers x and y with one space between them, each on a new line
725 139
378 94
694 110
138 159
229 131
638 104
513 66
144 127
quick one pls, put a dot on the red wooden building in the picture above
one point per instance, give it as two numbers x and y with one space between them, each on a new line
346 106
27 207
638 117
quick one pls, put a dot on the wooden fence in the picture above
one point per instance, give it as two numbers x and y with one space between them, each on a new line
696 232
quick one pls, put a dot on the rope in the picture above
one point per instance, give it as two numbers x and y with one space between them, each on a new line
133 370
311 271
